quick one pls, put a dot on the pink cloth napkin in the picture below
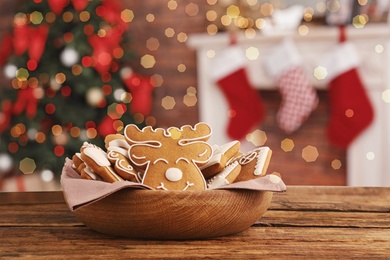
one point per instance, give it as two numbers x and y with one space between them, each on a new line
79 192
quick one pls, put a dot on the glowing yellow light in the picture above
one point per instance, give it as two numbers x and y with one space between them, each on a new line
210 53
287 145
168 103
303 30
157 80
84 16
257 137
150 18
91 133
233 11
169 32
60 78
181 68
212 2
56 130
211 15
126 97
75 132
212 29
267 9
182 37
127 15
175 133
118 125
139 118
250 33
336 164
252 53
379 48
191 91
148 61
22 74
112 111
190 100
50 17
359 21
67 17
150 120
27 165
36 17
172 5
40 137
320 72
310 153
370 156
192 9
386 96
226 20
77 70
152 44
260 23
20 19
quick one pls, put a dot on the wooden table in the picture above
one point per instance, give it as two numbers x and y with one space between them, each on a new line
321 222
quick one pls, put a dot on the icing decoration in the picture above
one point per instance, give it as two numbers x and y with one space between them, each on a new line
220 179
218 152
194 150
98 156
174 174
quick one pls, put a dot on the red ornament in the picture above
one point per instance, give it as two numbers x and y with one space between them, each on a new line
26 101
141 89
106 126
57 6
5 48
79 5
5 115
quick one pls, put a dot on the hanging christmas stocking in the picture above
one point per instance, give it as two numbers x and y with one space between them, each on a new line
299 98
351 110
245 103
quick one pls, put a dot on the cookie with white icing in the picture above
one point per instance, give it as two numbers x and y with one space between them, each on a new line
220 158
227 176
97 161
254 163
122 165
171 156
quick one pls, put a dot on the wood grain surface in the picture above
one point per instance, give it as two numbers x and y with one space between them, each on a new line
305 222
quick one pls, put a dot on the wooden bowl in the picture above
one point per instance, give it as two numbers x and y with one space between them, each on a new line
175 215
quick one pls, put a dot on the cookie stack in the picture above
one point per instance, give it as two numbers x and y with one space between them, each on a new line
170 159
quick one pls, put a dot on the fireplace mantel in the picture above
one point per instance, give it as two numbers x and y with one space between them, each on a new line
367 157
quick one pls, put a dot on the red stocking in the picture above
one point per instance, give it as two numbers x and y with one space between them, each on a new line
351 110
246 106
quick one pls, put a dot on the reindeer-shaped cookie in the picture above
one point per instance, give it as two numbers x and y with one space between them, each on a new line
171 156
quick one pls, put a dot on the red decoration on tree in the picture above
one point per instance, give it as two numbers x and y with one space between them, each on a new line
5 48
102 50
26 101
351 109
31 38
141 89
5 115
38 36
106 126
57 6
246 105
79 5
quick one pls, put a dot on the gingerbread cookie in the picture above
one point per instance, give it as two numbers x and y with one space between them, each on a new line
96 160
225 177
171 156
254 163
122 165
220 158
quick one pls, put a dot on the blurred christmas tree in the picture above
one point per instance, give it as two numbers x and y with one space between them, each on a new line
66 61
